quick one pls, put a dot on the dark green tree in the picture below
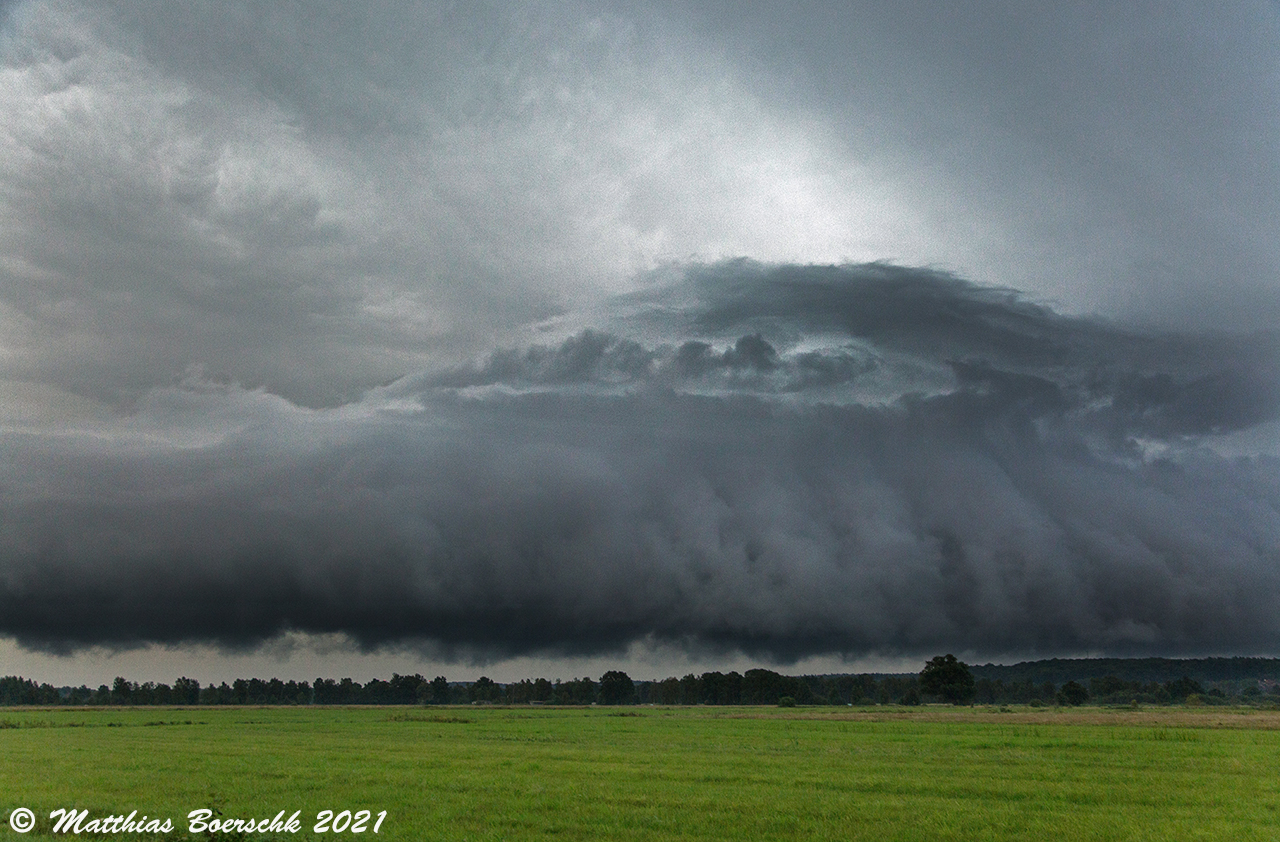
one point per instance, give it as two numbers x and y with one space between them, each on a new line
186 691
1073 693
949 679
484 689
122 691
617 688
765 687
1114 686
690 690
520 693
577 691
1182 688
716 688
404 688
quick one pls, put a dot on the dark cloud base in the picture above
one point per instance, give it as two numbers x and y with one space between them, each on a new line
792 461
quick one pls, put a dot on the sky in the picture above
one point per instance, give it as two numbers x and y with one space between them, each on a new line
542 339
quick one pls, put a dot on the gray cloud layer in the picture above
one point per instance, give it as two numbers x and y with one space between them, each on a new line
316 197
812 459
431 323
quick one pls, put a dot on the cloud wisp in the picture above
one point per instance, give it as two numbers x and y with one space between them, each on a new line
781 460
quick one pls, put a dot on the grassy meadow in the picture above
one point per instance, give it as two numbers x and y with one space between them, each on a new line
488 773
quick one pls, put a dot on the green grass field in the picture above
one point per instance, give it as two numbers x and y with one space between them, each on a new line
662 773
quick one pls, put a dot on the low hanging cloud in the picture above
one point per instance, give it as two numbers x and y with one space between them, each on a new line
781 460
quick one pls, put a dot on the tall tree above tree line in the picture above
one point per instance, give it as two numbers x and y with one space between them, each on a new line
948 678
617 688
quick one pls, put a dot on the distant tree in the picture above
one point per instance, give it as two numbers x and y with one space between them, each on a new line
299 692
144 693
186 691
863 690
376 692
717 688
81 695
520 693
576 691
325 691
483 689
404 688
1112 686
15 690
690 690
711 688
895 689
1072 694
765 687
1182 688
617 688
439 690
162 694
349 693
216 695
948 678
122 691
985 691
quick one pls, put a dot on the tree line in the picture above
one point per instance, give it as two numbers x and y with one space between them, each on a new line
944 679
1229 674
756 686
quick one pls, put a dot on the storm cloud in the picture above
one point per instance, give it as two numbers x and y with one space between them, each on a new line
840 459
553 329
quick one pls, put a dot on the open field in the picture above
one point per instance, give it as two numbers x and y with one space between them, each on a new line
663 773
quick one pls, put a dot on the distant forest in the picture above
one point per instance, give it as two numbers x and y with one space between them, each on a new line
1056 681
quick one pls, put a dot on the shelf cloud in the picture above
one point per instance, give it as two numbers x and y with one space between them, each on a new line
558 329
839 459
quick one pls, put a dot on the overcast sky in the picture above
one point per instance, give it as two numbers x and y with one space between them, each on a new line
546 338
